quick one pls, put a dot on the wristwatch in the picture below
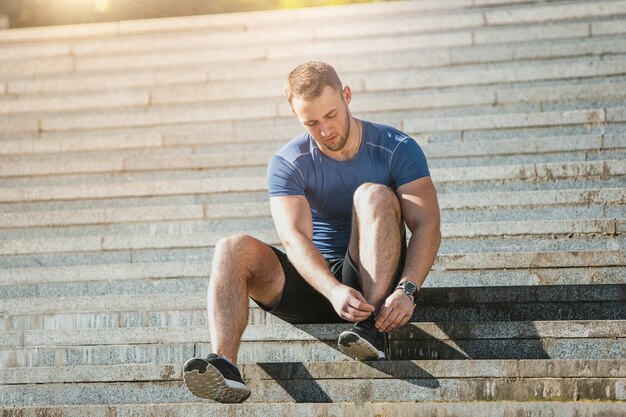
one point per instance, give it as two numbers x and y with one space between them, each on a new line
409 289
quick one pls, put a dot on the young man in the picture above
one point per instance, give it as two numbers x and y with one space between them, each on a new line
340 195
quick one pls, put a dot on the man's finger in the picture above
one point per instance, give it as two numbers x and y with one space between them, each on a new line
405 319
382 316
394 322
399 321
362 299
361 304
391 319
356 313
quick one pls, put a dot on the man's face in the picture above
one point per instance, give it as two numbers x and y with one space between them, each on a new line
326 117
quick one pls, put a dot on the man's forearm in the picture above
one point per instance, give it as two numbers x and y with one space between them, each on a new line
421 252
310 264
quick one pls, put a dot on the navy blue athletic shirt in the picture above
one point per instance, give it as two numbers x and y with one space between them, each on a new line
386 156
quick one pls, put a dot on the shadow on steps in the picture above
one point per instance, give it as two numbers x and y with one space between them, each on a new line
303 387
521 303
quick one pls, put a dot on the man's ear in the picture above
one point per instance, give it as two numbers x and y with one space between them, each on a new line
347 94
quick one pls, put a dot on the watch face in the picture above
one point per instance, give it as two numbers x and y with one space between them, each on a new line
410 287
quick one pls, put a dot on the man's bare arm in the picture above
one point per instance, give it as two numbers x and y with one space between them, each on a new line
420 211
292 217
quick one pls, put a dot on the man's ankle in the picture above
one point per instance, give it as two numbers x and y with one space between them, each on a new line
227 358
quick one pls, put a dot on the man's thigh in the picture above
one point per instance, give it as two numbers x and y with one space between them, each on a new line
300 302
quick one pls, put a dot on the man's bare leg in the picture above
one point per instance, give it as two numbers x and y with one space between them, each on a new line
242 266
375 240
375 248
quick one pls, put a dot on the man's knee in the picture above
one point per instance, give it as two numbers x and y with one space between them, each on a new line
245 256
234 244
376 198
241 250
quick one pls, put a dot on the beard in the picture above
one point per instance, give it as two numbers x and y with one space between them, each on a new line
343 136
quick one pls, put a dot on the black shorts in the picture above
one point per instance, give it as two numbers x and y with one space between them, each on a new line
301 303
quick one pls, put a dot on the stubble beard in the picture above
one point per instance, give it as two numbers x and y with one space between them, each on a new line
343 138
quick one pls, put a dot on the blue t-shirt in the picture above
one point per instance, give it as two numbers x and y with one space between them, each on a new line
386 156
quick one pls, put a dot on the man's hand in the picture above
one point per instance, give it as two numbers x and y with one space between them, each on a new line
350 304
395 312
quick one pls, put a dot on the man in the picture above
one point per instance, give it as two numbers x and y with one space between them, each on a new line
340 195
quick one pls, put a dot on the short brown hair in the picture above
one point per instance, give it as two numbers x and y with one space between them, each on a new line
309 79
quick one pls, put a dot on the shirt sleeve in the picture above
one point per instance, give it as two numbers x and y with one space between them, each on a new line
283 178
408 163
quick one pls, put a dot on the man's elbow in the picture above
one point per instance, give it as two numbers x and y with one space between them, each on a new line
435 231
291 240
430 229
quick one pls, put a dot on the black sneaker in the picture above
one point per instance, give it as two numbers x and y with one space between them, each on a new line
215 378
363 342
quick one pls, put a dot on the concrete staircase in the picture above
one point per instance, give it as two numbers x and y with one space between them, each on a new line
128 149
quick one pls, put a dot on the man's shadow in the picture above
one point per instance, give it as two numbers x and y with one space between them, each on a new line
452 312
302 386
505 320
297 381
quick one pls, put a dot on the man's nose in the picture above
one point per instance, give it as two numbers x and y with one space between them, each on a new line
325 129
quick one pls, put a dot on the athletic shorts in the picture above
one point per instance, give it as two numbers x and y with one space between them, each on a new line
301 303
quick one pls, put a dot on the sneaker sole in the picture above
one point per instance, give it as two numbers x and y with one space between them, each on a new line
205 381
358 348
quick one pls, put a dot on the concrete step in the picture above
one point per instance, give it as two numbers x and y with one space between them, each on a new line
311 349
244 205
516 369
232 22
527 186
76 165
567 149
174 239
454 253
592 88
151 184
437 57
73 144
248 130
457 224
383 409
94 307
407 22
217 133
415 122
146 144
318 45
22 83
152 278
238 21
128 91
541 205
385 381
432 305
593 303
275 342
274 114
381 81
